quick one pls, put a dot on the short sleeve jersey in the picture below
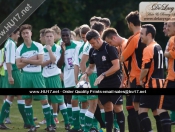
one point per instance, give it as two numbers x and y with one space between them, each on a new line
103 58
68 70
9 54
133 54
153 60
24 52
51 69
86 51
78 55
171 61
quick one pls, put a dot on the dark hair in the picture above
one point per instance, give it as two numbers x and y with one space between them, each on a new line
95 18
133 17
42 31
109 32
66 29
84 29
150 29
92 34
106 22
14 29
98 26
25 26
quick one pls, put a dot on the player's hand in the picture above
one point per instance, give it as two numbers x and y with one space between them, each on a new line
11 80
141 83
84 77
1 65
48 47
24 60
98 80
63 46
122 85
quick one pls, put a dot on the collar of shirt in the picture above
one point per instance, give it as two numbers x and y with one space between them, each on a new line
102 46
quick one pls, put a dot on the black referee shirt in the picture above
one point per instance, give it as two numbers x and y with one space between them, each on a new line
102 59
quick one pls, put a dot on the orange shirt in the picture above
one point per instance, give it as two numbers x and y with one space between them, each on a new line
171 61
153 61
133 53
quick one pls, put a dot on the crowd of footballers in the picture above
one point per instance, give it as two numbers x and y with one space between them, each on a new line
61 60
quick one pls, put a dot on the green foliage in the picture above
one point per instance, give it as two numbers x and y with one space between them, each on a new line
73 13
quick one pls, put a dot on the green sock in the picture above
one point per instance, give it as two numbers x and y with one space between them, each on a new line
172 115
63 110
5 110
47 114
21 107
102 114
115 122
7 114
82 117
29 114
52 119
95 123
69 112
88 121
75 117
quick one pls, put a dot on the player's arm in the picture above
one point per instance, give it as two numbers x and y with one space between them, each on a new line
129 50
21 64
83 62
90 69
39 61
52 57
122 81
61 60
146 63
76 72
46 63
170 54
76 65
143 73
9 71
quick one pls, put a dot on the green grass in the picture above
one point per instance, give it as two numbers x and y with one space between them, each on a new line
17 123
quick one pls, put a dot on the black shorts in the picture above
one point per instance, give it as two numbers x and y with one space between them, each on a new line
129 100
167 102
149 101
115 99
169 84
135 98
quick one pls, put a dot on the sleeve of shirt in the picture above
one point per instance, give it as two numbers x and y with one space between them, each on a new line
91 61
130 48
18 53
76 59
41 49
172 52
112 52
58 53
86 48
10 53
147 58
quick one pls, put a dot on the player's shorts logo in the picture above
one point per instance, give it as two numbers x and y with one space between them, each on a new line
103 58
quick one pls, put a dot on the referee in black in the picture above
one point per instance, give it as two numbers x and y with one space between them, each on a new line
106 60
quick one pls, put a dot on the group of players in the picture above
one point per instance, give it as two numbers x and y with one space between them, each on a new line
63 59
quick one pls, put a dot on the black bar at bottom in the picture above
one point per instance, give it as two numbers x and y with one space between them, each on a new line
85 91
